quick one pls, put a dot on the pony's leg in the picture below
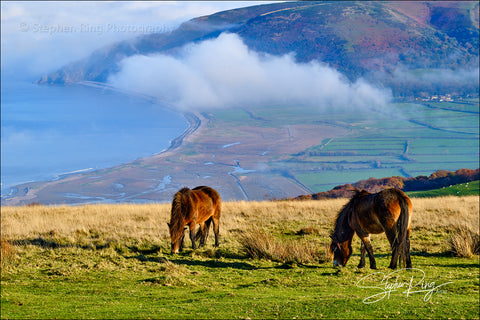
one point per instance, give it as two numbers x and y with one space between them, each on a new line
192 234
199 233
205 229
394 245
396 254
409 261
369 249
363 252
181 242
216 229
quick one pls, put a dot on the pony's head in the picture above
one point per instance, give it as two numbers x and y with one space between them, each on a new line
341 245
341 251
176 238
177 221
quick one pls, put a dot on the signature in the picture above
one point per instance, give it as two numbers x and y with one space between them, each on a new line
407 281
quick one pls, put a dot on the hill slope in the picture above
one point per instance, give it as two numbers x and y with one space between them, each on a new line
373 40
437 180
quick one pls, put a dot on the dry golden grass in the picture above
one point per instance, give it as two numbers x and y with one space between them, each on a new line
138 221
7 253
262 245
464 242
148 222
446 212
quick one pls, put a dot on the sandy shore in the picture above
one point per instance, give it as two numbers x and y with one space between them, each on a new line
194 123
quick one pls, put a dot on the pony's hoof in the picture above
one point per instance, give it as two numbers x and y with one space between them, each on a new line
361 266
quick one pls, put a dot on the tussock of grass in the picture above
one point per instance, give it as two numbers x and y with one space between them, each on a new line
308 230
465 243
172 275
7 253
258 244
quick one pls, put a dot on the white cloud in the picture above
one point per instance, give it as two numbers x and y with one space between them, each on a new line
223 72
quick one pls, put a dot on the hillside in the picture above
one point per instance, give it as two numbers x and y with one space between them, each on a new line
436 180
384 42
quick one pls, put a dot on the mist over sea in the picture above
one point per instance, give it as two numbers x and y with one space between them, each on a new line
47 131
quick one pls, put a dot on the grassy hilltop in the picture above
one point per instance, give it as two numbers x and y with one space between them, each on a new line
113 261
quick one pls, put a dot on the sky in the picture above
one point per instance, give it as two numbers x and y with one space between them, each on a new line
38 37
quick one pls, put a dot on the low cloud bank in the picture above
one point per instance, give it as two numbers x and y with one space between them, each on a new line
223 72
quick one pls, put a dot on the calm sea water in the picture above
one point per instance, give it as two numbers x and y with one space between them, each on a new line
47 131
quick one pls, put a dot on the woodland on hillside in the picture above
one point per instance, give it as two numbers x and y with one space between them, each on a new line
438 179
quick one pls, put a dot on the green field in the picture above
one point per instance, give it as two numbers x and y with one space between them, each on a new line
409 140
460 190
406 139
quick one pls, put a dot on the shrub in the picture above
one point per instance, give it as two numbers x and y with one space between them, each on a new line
464 242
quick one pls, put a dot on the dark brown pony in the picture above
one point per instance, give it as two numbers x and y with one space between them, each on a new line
201 205
388 211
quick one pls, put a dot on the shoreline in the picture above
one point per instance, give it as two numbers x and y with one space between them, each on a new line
194 124
193 121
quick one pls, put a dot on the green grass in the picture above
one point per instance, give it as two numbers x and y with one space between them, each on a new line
71 282
464 189
94 270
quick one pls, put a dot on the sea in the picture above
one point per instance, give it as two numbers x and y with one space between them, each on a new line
49 131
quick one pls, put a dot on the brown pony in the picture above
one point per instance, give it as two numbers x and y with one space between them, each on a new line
202 205
388 211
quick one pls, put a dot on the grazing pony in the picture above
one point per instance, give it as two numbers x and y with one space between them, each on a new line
388 211
201 205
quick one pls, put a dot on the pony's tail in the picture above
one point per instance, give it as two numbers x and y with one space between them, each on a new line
403 229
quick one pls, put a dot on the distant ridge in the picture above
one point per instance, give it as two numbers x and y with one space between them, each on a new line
385 42
436 180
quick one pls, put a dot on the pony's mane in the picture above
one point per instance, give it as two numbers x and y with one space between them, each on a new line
342 230
177 220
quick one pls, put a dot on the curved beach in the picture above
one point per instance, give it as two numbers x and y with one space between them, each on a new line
24 189
194 123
